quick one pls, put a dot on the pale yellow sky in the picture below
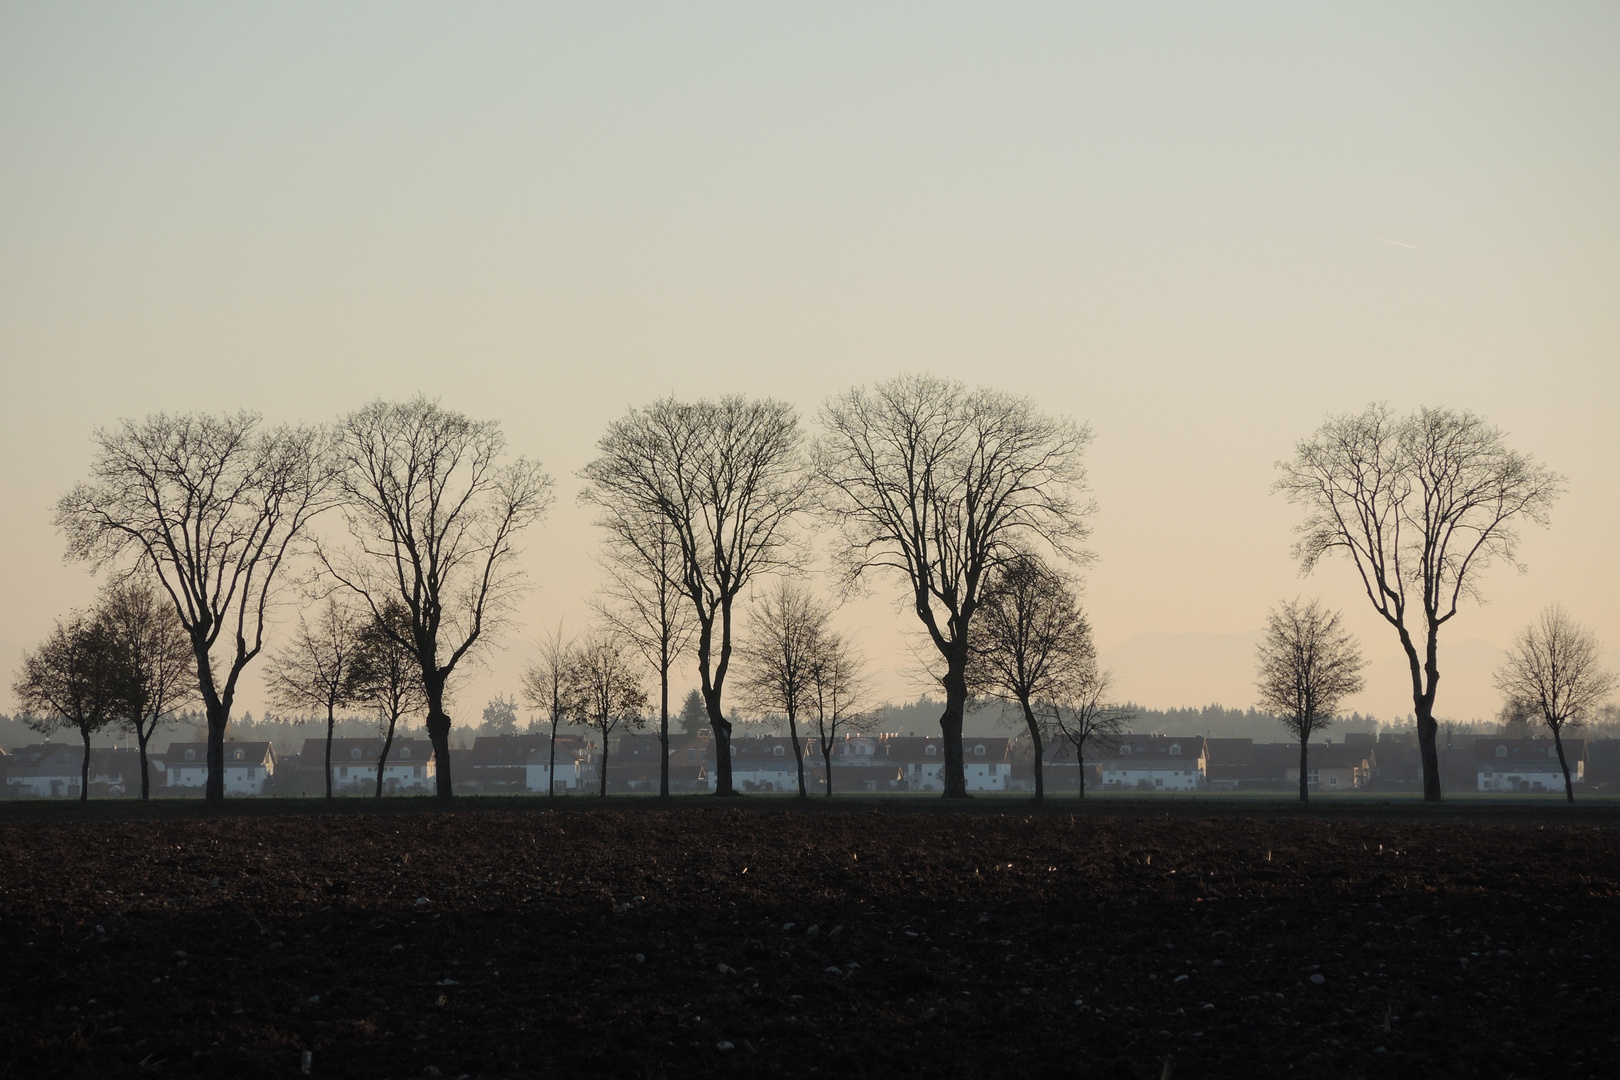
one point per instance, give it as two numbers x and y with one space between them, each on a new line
1201 228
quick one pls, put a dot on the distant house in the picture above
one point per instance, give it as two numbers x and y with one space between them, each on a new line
248 766
46 770
410 767
500 763
1154 763
1331 767
1602 766
767 763
573 765
1527 764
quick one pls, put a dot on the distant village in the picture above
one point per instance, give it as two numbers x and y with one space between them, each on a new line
862 764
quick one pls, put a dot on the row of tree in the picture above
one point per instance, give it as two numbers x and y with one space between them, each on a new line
972 500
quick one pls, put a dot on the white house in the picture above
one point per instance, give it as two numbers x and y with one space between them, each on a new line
354 764
248 765
573 766
1155 763
1527 764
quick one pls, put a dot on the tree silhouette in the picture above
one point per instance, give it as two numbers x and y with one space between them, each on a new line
1308 663
1553 673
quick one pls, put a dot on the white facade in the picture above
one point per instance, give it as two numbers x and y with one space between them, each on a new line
1122 773
247 767
537 771
1526 776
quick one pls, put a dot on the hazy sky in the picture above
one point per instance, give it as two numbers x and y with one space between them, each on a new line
1201 228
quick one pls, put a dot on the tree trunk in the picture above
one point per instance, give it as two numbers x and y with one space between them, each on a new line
1035 744
1304 777
438 729
722 743
798 755
1080 763
950 728
826 763
604 765
551 768
1425 679
1558 741
382 762
218 717
84 767
146 780
331 722
663 728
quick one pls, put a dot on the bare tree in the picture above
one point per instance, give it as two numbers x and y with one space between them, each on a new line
837 687
1553 673
1421 504
777 659
77 678
1087 715
1308 663
940 485
157 652
642 603
728 479
1030 645
316 669
386 676
214 507
607 690
548 685
433 518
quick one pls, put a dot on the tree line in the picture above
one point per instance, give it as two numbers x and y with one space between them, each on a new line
972 501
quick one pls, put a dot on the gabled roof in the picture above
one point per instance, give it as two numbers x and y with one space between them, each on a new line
364 751
1519 752
252 753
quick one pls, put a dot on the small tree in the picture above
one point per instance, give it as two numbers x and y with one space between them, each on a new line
548 685
837 687
157 652
1031 643
607 690
386 676
642 602
79 679
789 626
315 671
693 717
1307 664
1086 715
500 716
1552 673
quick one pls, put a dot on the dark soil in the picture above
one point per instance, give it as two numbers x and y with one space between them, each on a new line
834 943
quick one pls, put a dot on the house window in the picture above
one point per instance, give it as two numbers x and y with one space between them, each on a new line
191 755
691 755
405 753
1175 749
978 751
237 755
355 753
931 750
1501 751
343 773
1333 781
779 752
1125 750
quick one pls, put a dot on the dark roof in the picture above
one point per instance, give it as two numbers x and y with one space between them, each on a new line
254 753
1491 751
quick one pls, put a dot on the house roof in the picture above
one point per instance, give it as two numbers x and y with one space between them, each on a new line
365 751
1531 751
252 753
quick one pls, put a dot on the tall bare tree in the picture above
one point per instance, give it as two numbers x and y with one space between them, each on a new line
786 642
642 602
157 653
316 670
386 676
548 685
1421 504
1032 643
214 506
1554 673
434 515
1087 715
1308 663
77 678
727 477
940 485
607 690
837 687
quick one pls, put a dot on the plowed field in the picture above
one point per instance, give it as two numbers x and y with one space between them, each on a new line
774 942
